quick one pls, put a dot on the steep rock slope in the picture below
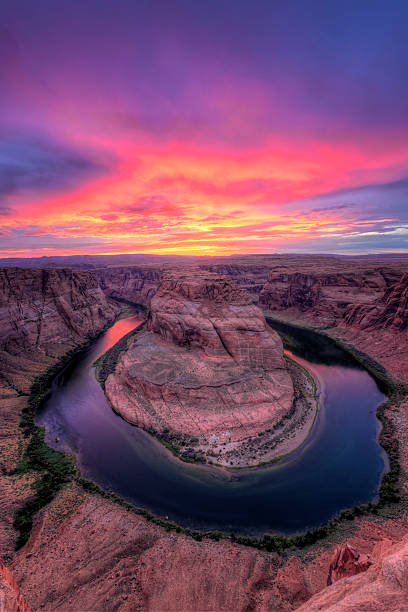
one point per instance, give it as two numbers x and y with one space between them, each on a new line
42 314
324 295
207 367
97 556
390 312
382 588
133 283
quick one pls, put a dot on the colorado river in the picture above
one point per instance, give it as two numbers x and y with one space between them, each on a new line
339 466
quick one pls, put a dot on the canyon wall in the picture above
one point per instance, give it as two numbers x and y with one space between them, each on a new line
250 276
136 284
389 312
359 303
43 313
326 295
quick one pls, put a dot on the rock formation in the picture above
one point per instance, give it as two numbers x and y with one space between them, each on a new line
390 312
207 367
322 295
11 600
358 295
133 283
383 587
346 561
44 312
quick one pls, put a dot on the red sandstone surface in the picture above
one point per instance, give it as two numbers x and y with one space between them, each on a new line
42 314
346 561
208 366
11 599
383 587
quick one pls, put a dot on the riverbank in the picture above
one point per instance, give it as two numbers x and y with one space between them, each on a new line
391 489
269 542
51 469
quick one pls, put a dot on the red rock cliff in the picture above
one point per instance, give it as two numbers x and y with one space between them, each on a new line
44 312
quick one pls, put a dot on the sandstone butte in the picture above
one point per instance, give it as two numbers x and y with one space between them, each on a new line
87 553
208 367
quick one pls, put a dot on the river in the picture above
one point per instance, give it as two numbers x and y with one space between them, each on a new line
338 466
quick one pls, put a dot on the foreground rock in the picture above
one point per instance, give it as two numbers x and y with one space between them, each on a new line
208 374
88 554
346 561
383 587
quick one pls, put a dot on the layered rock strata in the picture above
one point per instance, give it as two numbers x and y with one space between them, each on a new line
136 284
44 313
324 295
207 372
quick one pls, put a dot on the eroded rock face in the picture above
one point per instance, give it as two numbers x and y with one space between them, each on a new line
390 312
11 600
381 588
44 312
358 296
346 561
98 556
326 296
208 366
133 283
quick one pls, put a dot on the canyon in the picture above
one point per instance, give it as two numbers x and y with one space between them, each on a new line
88 552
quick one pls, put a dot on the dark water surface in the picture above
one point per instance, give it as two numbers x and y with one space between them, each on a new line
339 466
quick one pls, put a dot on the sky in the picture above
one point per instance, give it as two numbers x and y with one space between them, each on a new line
203 127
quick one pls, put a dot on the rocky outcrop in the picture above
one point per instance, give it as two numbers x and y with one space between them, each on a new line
136 284
11 600
346 561
208 367
43 313
383 587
